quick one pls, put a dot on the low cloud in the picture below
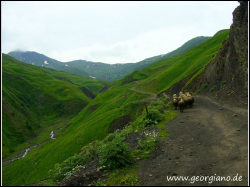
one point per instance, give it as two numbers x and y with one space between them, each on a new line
109 32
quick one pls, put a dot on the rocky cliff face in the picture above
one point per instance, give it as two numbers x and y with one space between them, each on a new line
226 77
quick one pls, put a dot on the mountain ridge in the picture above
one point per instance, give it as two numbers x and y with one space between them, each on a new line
99 70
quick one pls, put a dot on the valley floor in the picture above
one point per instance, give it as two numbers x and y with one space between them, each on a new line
210 139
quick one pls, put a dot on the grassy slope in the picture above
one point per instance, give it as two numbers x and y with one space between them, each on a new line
93 121
186 46
35 97
161 75
89 125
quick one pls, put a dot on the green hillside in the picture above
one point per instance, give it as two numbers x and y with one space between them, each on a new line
34 98
161 75
186 46
114 72
93 122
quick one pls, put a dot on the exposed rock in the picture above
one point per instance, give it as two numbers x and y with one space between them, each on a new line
119 123
85 177
228 71
133 138
231 63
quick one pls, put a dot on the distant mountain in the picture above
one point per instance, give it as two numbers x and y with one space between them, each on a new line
95 70
41 60
99 70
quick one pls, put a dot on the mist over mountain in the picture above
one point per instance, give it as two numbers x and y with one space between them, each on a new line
99 70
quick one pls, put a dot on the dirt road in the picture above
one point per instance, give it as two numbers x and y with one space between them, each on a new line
153 98
210 139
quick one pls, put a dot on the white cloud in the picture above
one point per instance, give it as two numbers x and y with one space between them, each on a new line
110 32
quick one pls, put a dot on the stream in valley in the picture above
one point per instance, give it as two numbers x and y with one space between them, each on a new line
52 137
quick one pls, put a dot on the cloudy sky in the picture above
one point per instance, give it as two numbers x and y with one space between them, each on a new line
108 31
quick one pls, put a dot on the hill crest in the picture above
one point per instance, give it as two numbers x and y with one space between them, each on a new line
99 70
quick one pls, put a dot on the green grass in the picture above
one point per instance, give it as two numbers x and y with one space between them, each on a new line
223 83
83 129
124 177
205 86
195 77
163 74
34 98
213 88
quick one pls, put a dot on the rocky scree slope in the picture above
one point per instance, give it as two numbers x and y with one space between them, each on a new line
226 76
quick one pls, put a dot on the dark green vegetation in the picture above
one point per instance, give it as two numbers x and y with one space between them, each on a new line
101 71
92 123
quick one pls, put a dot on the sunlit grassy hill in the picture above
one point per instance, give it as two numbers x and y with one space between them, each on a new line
92 123
35 97
112 72
162 74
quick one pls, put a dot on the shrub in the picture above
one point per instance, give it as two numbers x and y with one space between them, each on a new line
129 180
153 117
205 86
74 163
89 152
223 83
170 106
150 142
213 88
196 92
115 154
155 113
